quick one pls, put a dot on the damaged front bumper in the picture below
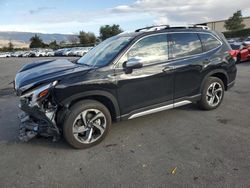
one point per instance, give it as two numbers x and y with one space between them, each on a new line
35 122
38 115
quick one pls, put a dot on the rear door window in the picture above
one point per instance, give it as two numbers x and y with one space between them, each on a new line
185 44
209 42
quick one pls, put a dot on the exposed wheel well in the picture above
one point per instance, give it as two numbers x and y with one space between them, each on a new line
221 76
102 99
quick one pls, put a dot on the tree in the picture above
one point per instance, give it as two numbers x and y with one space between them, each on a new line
36 42
53 45
109 31
10 46
235 22
87 38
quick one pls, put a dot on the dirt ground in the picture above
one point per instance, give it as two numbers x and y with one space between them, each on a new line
207 148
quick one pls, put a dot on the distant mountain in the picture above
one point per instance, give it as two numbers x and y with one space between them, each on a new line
24 37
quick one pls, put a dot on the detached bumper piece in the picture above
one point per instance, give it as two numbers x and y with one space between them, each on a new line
35 122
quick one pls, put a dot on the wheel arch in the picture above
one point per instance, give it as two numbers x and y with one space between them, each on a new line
103 97
219 73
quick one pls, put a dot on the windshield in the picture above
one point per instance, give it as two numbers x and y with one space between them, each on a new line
103 53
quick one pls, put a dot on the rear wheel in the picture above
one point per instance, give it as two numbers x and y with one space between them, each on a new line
238 59
212 93
87 124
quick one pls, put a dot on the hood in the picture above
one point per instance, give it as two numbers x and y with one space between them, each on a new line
41 72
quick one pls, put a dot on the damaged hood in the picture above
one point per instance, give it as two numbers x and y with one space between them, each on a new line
41 72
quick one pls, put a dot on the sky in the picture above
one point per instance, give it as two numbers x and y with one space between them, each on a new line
71 16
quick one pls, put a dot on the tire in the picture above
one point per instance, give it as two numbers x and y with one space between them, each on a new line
80 114
238 60
208 92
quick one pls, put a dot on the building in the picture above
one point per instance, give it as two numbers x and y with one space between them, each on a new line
219 25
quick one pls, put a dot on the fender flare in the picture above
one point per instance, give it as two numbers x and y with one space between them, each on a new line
211 73
66 102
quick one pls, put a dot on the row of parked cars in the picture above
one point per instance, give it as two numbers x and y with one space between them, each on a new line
241 48
76 51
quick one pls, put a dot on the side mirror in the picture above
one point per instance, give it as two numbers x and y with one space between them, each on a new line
133 63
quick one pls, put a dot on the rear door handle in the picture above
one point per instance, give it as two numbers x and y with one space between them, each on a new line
167 69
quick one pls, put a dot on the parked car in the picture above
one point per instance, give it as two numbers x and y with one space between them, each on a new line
247 41
38 53
59 52
124 77
236 41
26 54
49 53
5 54
66 51
81 51
17 54
243 52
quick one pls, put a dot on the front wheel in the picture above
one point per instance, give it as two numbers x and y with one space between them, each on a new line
87 124
212 93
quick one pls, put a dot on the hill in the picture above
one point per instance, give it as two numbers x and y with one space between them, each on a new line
21 39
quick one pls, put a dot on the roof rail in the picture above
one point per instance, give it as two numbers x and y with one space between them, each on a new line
152 28
162 27
190 27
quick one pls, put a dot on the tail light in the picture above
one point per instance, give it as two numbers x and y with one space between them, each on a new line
233 53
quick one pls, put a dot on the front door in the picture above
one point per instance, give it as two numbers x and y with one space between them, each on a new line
150 86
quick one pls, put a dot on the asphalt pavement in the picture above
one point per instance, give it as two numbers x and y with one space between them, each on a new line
183 147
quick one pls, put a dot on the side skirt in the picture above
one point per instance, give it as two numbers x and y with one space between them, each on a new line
159 109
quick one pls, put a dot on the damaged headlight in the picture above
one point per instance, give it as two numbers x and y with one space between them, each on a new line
35 95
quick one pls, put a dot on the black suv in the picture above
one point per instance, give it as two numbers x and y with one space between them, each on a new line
124 77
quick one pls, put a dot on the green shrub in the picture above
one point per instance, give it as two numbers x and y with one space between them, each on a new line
243 33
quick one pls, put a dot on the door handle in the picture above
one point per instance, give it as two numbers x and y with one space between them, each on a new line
167 69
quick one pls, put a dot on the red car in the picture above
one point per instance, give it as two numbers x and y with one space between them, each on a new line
243 52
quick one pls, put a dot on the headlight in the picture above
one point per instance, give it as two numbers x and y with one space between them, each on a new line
38 93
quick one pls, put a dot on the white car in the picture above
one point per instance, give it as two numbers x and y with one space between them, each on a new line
26 54
40 53
66 51
37 53
18 54
49 53
6 54
247 41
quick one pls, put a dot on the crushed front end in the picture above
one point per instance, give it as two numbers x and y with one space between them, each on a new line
38 108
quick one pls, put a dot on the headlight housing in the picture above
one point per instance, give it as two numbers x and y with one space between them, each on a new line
41 92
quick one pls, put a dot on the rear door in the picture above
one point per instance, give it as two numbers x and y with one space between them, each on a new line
187 58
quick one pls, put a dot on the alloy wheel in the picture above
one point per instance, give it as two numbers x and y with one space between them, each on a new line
214 94
89 126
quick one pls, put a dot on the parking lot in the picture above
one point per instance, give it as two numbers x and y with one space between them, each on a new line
206 148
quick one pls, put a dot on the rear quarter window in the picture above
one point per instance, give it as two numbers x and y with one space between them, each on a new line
185 44
209 41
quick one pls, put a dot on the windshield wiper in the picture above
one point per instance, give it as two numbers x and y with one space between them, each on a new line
76 62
